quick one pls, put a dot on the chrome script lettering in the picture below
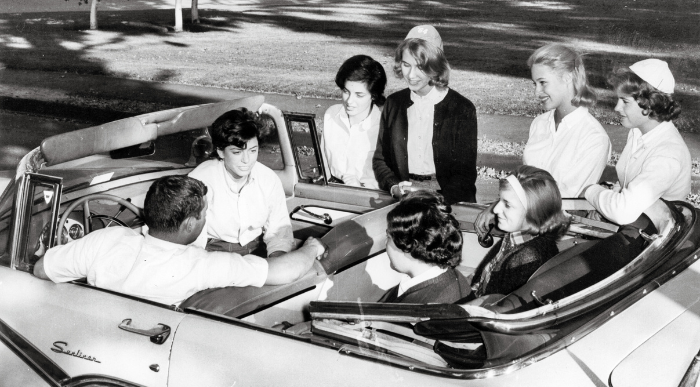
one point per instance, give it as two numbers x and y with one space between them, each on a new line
60 347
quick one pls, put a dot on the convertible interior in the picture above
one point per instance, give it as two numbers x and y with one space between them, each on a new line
334 303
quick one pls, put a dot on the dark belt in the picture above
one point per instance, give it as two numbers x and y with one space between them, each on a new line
420 177
255 247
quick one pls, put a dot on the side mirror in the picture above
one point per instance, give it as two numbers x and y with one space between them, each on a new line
202 148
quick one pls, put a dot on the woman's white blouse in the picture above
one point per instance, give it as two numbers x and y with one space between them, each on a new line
575 154
349 149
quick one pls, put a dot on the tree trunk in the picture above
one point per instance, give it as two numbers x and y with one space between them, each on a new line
93 14
195 12
178 15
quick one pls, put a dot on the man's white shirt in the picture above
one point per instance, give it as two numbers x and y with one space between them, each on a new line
121 259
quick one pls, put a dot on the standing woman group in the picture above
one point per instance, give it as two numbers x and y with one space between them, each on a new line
426 136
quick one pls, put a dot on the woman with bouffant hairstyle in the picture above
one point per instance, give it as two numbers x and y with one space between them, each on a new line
425 244
529 211
350 129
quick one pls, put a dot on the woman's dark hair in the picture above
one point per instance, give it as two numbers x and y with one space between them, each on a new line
656 104
235 127
422 225
172 199
362 68
430 59
543 212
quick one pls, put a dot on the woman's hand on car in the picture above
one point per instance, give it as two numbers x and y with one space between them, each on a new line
401 189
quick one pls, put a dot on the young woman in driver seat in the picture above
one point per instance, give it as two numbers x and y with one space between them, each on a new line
529 210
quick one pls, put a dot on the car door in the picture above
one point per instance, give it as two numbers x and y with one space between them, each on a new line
72 331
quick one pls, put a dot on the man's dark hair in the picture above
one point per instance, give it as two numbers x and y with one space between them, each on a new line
171 200
422 224
235 127
362 68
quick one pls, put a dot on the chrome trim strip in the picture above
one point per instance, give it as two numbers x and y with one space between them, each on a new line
32 356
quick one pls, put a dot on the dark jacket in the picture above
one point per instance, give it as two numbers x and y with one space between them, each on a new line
454 145
518 265
446 288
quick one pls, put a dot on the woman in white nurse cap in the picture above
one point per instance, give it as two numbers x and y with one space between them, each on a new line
656 161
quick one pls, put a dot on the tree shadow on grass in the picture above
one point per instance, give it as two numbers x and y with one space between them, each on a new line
497 37
484 38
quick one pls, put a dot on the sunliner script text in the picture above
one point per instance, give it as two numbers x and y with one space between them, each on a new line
60 347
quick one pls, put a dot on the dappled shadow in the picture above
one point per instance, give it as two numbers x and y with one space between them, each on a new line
483 38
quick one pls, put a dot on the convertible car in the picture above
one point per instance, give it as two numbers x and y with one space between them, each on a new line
595 315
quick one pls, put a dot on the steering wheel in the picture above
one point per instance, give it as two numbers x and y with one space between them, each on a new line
86 211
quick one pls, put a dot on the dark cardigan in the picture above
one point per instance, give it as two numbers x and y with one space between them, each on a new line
518 266
454 145
446 288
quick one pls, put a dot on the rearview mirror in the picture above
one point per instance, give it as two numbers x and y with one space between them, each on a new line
146 149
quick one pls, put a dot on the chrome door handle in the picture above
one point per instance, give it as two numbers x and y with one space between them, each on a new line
325 217
157 334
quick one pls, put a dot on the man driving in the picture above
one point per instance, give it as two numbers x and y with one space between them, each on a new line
160 264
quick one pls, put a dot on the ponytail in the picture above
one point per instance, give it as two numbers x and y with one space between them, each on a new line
564 60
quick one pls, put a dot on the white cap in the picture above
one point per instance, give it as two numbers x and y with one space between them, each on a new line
426 32
656 73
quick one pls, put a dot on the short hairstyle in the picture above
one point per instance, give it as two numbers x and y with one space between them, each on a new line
429 58
422 225
655 103
235 127
543 212
172 199
362 68
564 60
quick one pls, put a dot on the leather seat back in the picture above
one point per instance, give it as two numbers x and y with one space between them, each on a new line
570 272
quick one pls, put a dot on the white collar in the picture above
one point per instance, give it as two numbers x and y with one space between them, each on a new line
574 116
229 179
640 140
408 282
433 97
364 125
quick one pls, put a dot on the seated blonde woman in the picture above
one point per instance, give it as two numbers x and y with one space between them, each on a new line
529 211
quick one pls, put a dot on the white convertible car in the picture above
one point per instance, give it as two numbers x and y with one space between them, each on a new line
592 316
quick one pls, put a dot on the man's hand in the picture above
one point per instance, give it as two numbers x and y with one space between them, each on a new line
321 248
484 220
291 266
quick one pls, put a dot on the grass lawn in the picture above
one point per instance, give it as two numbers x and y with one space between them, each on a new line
297 47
